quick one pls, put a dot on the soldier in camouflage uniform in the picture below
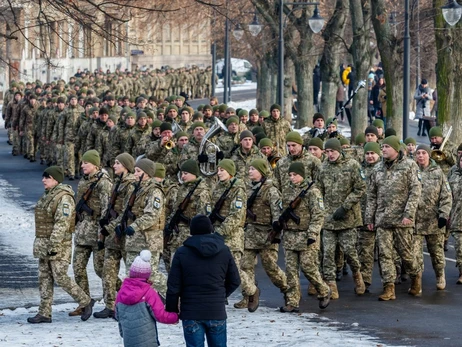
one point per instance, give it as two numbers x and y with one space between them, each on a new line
316 148
432 213
146 230
120 137
54 128
296 154
140 130
449 150
14 120
96 128
156 150
342 195
85 125
230 140
276 128
266 208
191 149
103 144
71 115
54 225
124 167
455 219
26 126
302 241
317 131
393 194
87 227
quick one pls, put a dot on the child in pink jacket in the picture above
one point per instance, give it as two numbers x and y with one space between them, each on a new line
139 307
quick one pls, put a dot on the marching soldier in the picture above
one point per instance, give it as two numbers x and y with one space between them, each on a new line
316 148
191 149
455 219
71 114
140 130
230 140
54 225
276 128
449 151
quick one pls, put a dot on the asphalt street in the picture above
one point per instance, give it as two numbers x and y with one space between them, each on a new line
432 320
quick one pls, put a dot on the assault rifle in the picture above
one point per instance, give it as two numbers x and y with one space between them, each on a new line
82 204
215 215
179 216
251 200
111 214
128 210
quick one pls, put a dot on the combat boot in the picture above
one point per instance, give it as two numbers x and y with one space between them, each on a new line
312 289
388 292
333 286
244 303
416 285
441 282
324 302
87 311
77 312
106 313
254 301
360 287
459 281
39 319
289 308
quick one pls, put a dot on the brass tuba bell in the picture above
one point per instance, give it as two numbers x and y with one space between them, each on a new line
207 147
273 160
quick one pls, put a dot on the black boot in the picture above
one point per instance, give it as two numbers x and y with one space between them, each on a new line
87 310
106 313
39 319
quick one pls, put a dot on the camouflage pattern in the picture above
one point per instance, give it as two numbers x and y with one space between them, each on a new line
242 161
111 280
102 146
276 130
189 151
134 137
120 139
450 152
281 172
80 260
455 220
300 256
71 116
26 126
95 129
228 143
435 247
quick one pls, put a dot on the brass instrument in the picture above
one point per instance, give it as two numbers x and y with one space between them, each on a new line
437 154
275 157
175 128
207 147
169 145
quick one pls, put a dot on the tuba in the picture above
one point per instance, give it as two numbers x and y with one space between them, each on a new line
437 154
210 149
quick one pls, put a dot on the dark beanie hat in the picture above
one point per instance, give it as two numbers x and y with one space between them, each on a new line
56 172
294 136
333 144
61 100
253 111
425 148
92 157
316 141
259 137
393 142
201 225
127 161
258 129
275 107
141 115
261 165
147 166
103 110
372 147
113 118
371 130
165 126
180 134
171 107
228 165
317 116
298 168
390 132
246 133
198 124
190 166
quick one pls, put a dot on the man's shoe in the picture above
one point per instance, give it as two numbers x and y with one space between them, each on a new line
106 313
254 301
324 302
32 160
416 285
334 291
360 287
244 303
87 311
39 319
77 312
441 282
289 308
388 292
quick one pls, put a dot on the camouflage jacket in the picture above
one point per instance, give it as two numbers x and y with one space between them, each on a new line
354 152
114 111
120 139
455 181
82 134
54 223
234 211
267 208
311 213
366 171
435 201
190 151
27 118
242 162
393 193
95 129
341 185
170 158
228 143
276 130
87 229
281 172
102 145
71 116
52 117
134 137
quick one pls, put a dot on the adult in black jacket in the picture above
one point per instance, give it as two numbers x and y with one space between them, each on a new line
203 275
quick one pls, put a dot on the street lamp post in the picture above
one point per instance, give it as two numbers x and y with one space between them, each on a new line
407 73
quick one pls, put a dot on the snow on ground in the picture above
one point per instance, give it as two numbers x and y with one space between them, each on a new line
247 85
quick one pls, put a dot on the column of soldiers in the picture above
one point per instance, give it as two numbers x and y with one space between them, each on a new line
145 171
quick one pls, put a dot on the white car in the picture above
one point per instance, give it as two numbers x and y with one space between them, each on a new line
240 67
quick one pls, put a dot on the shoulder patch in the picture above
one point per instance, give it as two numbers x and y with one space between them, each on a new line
156 203
279 204
208 208
419 175
238 202
447 185
66 210
362 173
321 203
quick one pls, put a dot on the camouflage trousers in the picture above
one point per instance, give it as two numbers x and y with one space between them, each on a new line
30 144
435 246
402 239
366 246
248 287
158 279
10 134
69 158
111 280
59 155
41 145
347 239
80 261
55 271
16 142
307 261
269 259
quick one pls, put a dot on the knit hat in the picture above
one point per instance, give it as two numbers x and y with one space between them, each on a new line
127 161
392 141
198 124
156 124
316 141
253 111
197 115
141 115
187 109
181 134
230 109
103 110
261 165
317 116
149 114
201 225
130 115
332 121
113 118
141 266
435 132
298 168
159 171
258 129
171 107
207 107
344 141
264 114
222 108
360 138
390 132
246 133
61 100
55 172
147 166
372 147
265 142
92 157
259 137
232 119
333 144
425 148
243 113
165 126
371 130
228 165
190 166
275 107
410 140
294 136
378 123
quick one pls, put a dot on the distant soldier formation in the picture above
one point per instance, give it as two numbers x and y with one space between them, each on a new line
148 163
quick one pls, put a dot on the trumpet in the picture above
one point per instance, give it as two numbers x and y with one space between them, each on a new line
169 145
438 154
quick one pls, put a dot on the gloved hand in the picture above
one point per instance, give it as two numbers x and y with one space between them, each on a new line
442 222
104 231
310 241
103 222
118 231
203 158
52 252
339 214
220 155
129 231
277 226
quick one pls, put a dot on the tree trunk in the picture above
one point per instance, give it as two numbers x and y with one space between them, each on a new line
330 60
304 79
288 78
265 83
360 49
